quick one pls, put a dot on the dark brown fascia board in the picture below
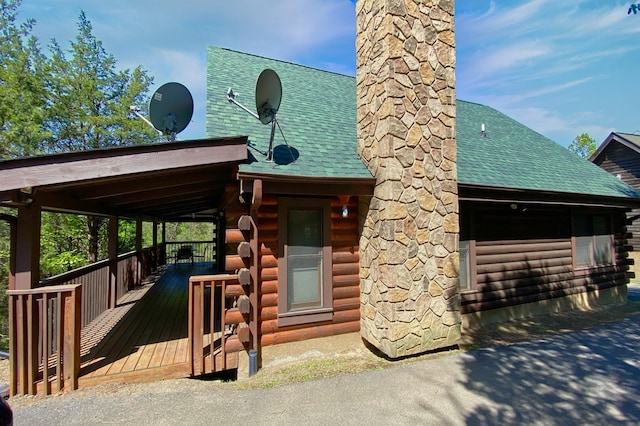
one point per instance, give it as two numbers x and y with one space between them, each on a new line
510 195
97 164
305 185
611 138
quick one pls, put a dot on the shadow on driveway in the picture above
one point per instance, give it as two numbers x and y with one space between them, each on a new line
590 377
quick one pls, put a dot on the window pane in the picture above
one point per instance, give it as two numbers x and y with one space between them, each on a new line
464 265
304 231
584 247
304 259
603 251
305 278
583 225
601 225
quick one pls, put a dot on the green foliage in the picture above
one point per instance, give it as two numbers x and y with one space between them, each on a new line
635 8
126 236
189 231
583 145
5 248
22 89
63 244
89 98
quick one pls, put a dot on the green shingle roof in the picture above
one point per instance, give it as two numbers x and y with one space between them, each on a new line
514 156
317 116
318 120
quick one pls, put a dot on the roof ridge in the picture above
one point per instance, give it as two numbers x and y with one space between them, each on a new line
281 60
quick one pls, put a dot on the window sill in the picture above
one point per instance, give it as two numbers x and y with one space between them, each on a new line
580 271
305 317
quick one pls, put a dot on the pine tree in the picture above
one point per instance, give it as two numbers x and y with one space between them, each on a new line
22 90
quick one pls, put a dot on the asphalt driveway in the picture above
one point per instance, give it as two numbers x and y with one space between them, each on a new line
587 377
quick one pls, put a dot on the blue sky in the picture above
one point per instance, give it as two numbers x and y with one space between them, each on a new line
560 67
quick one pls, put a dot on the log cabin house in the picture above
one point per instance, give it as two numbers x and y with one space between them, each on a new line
539 230
619 154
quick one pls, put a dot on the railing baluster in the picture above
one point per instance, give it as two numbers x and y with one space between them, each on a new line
39 320
45 344
59 340
197 285
212 328
32 350
223 310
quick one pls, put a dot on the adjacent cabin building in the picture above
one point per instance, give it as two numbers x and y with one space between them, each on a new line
619 154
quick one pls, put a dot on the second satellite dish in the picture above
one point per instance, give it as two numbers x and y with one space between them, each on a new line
171 109
268 95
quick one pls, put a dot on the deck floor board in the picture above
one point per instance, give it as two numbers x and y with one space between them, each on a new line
147 331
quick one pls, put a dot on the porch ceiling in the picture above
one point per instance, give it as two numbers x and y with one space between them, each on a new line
166 181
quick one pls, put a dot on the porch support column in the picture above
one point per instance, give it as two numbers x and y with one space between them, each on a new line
112 249
138 252
156 249
405 87
255 266
28 247
164 243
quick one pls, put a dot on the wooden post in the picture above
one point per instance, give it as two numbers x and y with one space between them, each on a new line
156 251
72 325
254 295
112 249
28 247
138 278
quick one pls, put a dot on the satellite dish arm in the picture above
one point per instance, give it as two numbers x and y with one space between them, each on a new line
231 97
134 109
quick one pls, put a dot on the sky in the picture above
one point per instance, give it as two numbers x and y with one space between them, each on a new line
560 67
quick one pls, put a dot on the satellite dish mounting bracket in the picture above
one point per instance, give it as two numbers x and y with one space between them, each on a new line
268 97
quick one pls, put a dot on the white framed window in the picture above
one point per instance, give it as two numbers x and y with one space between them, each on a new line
304 261
593 241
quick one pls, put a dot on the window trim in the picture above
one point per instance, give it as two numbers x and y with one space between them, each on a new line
325 312
470 237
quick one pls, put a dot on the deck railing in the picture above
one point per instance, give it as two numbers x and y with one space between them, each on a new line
218 321
203 251
94 279
44 338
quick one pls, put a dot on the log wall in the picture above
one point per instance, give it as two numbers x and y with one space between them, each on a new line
345 270
617 159
526 256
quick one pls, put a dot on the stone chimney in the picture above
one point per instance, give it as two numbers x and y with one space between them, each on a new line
409 259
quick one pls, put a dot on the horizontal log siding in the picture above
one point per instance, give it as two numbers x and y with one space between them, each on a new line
345 272
617 159
524 270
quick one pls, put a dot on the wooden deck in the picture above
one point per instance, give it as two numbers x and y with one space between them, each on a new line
145 336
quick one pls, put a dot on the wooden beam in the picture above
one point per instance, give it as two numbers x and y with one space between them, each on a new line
28 247
97 164
112 249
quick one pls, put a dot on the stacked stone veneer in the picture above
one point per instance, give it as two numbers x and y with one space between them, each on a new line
409 258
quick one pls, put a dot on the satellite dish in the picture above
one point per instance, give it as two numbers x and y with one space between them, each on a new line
171 109
268 95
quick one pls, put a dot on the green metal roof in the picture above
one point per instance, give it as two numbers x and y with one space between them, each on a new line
317 116
318 120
